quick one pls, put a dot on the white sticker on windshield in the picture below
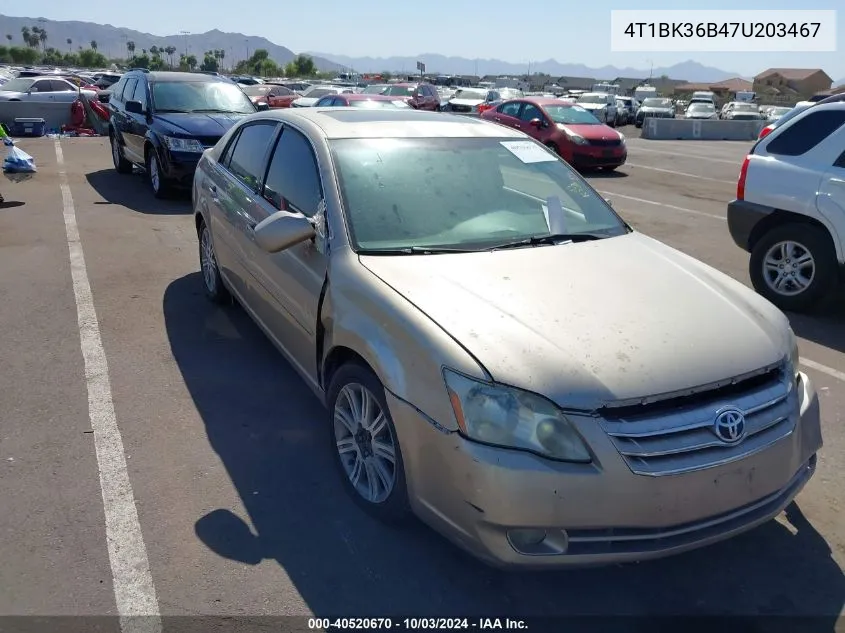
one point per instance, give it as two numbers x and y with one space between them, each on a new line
529 152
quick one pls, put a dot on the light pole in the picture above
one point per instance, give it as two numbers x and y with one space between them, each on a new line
650 69
247 48
185 34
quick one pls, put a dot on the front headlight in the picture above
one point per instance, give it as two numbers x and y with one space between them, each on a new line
512 418
794 356
175 144
621 138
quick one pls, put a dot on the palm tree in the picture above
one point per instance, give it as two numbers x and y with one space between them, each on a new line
93 45
26 35
154 51
222 56
130 46
69 44
170 50
9 36
42 37
191 61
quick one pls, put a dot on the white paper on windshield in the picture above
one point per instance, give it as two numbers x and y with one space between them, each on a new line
529 152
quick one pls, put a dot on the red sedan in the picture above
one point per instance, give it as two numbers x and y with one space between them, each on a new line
274 95
359 100
568 129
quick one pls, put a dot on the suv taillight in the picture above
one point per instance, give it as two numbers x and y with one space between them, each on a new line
743 174
765 131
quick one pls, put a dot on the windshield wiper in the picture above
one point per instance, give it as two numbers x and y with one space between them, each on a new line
417 250
216 110
171 111
548 240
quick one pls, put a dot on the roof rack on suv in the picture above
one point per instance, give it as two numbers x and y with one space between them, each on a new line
143 70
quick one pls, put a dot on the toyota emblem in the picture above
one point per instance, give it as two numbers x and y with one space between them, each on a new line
729 425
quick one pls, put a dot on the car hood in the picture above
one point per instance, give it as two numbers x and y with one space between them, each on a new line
700 115
647 110
591 323
593 106
197 124
305 102
592 132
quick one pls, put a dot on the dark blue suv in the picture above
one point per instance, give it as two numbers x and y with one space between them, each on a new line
163 121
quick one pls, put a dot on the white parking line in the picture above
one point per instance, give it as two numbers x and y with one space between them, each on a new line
637 148
663 204
134 591
681 173
833 373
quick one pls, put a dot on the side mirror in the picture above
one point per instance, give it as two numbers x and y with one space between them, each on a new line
261 107
282 230
538 123
134 107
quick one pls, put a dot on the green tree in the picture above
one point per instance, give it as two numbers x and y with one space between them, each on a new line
42 37
26 35
9 37
130 47
90 58
191 62
53 57
154 51
209 62
93 45
303 66
386 75
141 61
69 44
4 54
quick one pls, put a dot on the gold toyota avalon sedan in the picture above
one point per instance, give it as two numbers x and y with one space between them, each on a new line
500 353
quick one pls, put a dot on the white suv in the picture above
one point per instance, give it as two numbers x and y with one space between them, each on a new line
789 211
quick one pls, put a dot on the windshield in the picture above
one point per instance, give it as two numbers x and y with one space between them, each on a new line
465 93
256 91
597 99
377 103
789 115
399 91
20 84
374 90
510 93
778 111
466 193
702 107
315 92
745 107
657 103
570 115
200 96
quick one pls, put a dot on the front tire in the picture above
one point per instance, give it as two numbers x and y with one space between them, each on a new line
365 444
159 185
794 266
215 291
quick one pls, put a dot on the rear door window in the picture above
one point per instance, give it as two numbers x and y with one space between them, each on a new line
802 136
293 179
510 109
129 89
247 158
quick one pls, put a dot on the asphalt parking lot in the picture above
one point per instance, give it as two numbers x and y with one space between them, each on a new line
239 509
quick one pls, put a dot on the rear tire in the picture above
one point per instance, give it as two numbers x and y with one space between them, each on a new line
364 443
121 165
794 266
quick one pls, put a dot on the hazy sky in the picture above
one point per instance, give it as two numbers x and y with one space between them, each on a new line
575 32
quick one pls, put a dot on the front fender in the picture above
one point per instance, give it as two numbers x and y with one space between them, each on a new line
403 346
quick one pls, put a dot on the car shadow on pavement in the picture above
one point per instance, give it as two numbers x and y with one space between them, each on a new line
133 192
603 173
271 434
11 204
825 325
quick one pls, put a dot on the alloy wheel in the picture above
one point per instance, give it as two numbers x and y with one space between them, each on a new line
115 152
789 268
207 261
365 443
155 176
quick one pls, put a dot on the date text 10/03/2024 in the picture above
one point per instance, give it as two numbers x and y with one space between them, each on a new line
417 624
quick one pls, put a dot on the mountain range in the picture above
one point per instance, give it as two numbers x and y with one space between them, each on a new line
111 40
689 70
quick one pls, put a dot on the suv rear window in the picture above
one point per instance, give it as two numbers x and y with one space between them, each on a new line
804 135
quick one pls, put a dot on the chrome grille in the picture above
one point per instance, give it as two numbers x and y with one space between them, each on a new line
656 439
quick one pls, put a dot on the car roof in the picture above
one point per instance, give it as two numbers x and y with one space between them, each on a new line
336 123
542 101
359 96
181 77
